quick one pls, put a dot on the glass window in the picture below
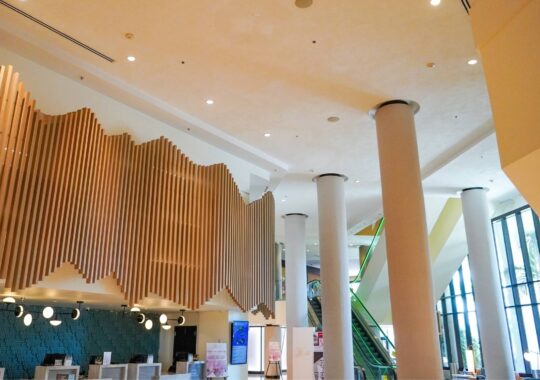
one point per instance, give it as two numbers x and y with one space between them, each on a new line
255 349
516 240
458 318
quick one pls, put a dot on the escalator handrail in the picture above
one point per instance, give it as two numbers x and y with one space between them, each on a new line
371 248
356 298
377 363
374 339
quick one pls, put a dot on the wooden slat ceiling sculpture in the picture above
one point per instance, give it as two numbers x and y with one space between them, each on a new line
144 214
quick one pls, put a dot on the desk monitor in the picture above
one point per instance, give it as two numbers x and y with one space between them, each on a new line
54 359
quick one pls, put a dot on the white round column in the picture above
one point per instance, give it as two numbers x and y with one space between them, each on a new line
490 312
409 265
335 294
295 280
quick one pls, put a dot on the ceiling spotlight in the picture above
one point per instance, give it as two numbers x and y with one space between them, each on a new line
435 2
148 324
141 318
210 102
267 134
166 327
135 309
472 61
48 312
303 3
8 300
19 311
131 58
27 320
55 322
162 319
75 314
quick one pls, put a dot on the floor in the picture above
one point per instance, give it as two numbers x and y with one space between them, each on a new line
261 377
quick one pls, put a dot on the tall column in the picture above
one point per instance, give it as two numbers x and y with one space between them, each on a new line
295 280
496 349
335 294
279 272
409 265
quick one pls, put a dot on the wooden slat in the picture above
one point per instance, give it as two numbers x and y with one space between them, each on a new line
143 213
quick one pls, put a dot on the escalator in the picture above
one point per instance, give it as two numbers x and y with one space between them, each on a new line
372 349
368 349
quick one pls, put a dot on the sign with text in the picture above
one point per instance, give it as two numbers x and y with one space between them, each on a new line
274 351
216 360
239 342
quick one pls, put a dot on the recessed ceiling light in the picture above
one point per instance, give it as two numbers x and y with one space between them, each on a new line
267 134
435 2
430 65
472 61
210 101
284 199
131 58
129 36
356 181
303 3
333 119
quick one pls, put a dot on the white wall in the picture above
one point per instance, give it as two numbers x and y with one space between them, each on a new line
57 94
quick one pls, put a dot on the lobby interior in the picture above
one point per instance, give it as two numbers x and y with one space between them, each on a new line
354 183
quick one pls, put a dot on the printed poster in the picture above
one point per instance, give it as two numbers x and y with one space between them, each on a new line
216 360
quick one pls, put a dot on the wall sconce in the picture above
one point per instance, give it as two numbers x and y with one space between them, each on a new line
47 312
76 312
8 300
27 320
141 318
19 311
55 322
181 319
163 319
148 324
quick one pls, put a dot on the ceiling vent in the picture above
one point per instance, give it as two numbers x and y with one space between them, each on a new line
54 30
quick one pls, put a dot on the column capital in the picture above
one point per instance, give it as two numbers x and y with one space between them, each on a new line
345 178
294 214
475 188
414 106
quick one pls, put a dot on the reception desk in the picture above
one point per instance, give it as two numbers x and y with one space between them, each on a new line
110 371
69 372
144 371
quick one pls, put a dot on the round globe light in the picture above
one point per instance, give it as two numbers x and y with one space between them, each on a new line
166 327
163 319
148 324
55 322
27 320
48 312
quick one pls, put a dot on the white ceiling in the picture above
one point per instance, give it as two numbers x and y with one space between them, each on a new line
258 62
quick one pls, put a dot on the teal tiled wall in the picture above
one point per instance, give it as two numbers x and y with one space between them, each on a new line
22 348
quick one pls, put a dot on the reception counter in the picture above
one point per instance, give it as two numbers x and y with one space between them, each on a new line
68 372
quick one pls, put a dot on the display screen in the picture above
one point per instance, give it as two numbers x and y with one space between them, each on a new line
239 342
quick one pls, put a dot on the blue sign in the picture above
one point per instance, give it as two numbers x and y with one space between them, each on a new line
239 342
